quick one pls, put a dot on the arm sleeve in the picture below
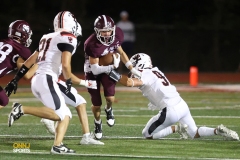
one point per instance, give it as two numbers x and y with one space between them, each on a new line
96 69
65 47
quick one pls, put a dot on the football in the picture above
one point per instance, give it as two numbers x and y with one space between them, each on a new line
107 59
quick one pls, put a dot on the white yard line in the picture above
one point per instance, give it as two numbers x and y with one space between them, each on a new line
116 155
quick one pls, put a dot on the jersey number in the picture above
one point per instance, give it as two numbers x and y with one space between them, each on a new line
5 49
43 47
159 75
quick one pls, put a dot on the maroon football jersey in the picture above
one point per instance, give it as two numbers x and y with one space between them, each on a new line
94 48
10 50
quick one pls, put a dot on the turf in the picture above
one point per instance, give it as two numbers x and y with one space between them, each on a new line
124 140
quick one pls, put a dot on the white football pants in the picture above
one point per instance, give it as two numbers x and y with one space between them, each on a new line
169 116
45 88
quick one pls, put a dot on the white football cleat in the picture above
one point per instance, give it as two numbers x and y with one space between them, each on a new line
49 124
62 149
227 133
110 117
182 130
88 140
98 130
15 114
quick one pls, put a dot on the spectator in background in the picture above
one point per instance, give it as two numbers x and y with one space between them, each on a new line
128 29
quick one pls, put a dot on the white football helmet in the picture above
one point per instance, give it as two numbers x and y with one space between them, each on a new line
141 61
79 34
79 30
65 21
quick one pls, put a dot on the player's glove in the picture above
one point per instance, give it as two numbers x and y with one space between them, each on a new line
11 86
116 60
115 75
89 84
69 85
136 72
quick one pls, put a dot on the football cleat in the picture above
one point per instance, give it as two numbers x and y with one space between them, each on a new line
98 130
15 114
88 140
182 130
49 124
62 149
227 133
110 117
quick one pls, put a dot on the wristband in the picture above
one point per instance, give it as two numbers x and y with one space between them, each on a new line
82 82
128 63
21 72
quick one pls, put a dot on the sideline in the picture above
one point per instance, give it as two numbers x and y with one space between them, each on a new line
179 87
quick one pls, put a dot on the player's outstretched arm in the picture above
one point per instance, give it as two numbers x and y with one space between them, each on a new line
128 64
125 80
87 83
13 84
30 72
130 82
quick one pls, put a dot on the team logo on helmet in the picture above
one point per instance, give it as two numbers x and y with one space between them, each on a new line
26 28
109 24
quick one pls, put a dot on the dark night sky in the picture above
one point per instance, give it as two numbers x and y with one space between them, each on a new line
169 20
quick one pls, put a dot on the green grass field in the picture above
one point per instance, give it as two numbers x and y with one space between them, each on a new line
124 140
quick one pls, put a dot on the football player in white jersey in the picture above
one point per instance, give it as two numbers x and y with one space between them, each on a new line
162 95
76 100
55 52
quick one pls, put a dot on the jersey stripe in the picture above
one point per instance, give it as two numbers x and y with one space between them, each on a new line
158 122
55 97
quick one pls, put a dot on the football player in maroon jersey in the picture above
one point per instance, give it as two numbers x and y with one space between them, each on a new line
14 51
106 39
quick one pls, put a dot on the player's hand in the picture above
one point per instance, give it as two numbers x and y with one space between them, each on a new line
116 60
69 85
11 86
136 72
89 84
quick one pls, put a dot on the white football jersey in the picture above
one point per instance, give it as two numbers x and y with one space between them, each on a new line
49 58
157 89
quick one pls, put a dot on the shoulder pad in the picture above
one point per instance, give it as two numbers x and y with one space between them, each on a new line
64 33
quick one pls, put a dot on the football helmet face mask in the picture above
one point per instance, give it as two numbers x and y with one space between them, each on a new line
65 21
141 61
105 23
20 31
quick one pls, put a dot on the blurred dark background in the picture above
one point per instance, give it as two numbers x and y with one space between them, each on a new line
176 33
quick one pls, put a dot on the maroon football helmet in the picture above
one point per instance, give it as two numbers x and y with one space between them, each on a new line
105 23
20 30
